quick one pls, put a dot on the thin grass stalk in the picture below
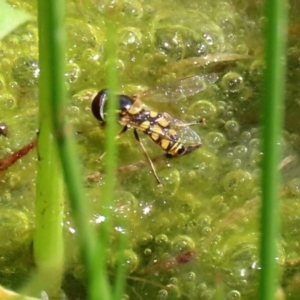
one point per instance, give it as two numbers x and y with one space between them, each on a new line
111 131
276 31
120 273
52 29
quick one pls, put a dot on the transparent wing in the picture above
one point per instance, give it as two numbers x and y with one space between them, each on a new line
179 89
186 134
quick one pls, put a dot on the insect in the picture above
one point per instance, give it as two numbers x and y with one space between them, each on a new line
173 136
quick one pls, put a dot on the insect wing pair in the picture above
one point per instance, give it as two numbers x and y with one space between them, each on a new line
175 91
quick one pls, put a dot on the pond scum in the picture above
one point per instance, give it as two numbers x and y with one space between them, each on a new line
197 236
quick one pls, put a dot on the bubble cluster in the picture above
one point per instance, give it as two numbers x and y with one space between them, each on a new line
14 232
169 42
25 71
198 230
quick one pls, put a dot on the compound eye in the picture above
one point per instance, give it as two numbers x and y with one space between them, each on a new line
98 105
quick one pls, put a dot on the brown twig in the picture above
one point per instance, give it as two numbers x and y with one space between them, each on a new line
6 162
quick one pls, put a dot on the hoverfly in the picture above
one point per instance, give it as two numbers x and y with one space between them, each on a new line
173 136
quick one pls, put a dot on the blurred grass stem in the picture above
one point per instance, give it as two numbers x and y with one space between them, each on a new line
276 32
52 40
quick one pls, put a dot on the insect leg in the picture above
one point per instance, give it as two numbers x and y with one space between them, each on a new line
121 132
147 156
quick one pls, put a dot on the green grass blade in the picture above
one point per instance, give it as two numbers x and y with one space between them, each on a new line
276 31
52 35
11 18
48 239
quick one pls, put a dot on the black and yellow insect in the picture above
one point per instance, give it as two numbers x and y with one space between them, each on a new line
173 136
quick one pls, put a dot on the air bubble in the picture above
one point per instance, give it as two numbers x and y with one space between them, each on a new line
206 231
232 82
191 276
254 144
169 41
162 294
13 87
133 8
257 68
240 151
238 182
130 37
232 127
81 36
245 136
147 251
256 157
215 140
5 64
236 163
233 295
182 243
72 72
203 221
203 109
146 239
242 262
161 239
173 280
7 101
130 260
170 179
174 290
242 49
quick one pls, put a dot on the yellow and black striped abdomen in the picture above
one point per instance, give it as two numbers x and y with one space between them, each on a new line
160 130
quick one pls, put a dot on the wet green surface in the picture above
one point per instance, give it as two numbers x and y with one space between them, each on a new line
197 236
